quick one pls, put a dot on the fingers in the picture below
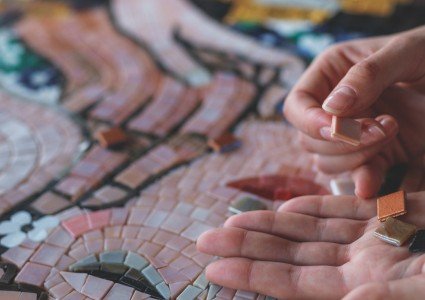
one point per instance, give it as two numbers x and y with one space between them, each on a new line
376 132
303 105
207 31
297 227
278 280
405 288
237 242
341 163
172 56
368 178
366 80
331 207
415 205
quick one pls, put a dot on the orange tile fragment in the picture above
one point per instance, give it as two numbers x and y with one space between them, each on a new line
346 130
392 205
224 143
111 137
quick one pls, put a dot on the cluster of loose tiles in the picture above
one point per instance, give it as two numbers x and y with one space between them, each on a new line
394 231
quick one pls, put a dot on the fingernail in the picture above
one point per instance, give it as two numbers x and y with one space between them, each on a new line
340 100
376 131
389 124
325 132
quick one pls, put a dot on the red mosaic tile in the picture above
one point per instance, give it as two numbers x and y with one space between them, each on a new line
99 219
77 226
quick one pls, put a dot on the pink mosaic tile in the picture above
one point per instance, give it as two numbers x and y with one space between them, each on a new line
33 273
77 225
76 280
17 255
61 290
98 219
96 288
60 237
119 291
47 255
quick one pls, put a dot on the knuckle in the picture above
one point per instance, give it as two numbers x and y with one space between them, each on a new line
366 69
334 50
287 110
325 167
310 126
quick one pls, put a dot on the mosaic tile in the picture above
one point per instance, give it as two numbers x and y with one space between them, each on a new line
108 194
27 296
177 288
346 130
418 242
392 205
135 261
189 292
247 204
163 290
212 291
395 232
201 282
33 273
17 255
8 272
225 143
74 296
96 288
10 295
77 225
112 257
76 280
61 290
50 203
195 230
47 255
113 268
342 187
152 275
60 237
111 137
89 260
119 291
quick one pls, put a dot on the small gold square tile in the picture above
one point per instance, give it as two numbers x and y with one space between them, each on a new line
395 232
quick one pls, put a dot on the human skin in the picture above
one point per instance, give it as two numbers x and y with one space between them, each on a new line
380 81
316 247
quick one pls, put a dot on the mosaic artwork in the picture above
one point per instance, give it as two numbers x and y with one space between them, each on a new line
128 128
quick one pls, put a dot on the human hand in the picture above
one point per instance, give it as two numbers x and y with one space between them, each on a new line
157 23
379 78
316 247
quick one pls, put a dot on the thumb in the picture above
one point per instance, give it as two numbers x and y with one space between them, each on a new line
399 61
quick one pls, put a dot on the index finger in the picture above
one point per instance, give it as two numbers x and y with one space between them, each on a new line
303 107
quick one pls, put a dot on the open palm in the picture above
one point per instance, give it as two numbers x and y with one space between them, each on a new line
319 247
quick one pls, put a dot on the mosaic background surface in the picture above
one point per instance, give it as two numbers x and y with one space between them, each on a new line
81 220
